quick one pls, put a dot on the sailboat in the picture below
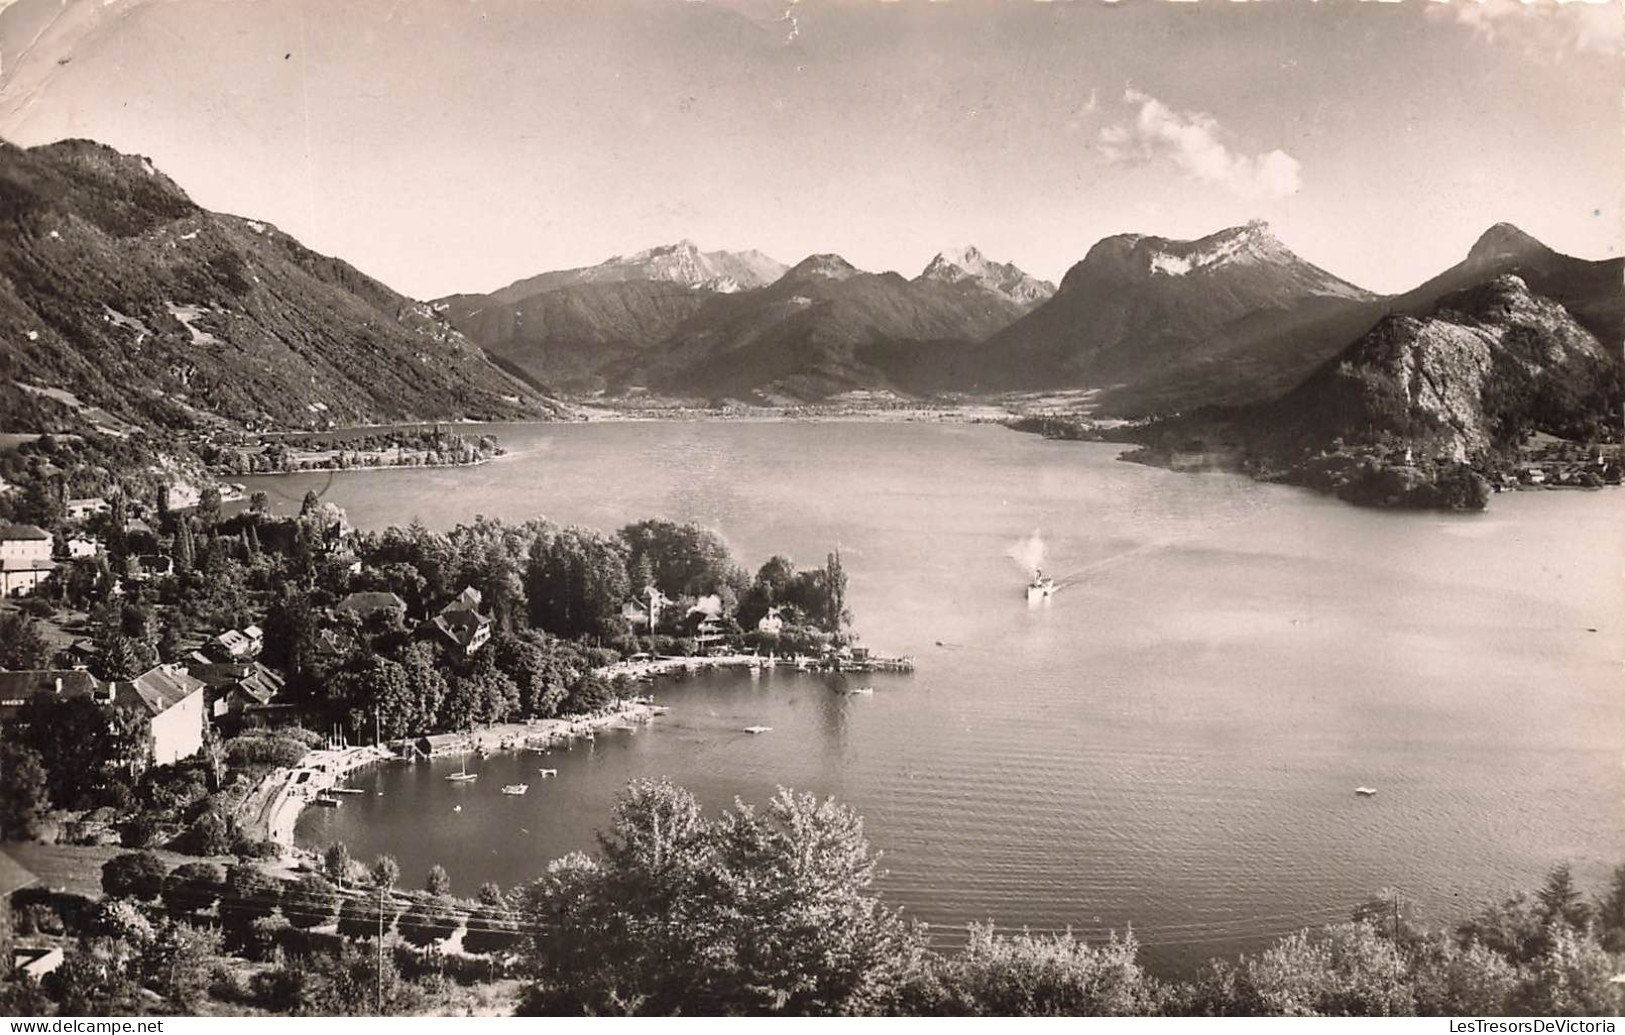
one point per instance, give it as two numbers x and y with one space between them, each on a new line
463 774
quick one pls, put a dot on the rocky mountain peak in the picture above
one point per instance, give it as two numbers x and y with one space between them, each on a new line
1007 279
1501 242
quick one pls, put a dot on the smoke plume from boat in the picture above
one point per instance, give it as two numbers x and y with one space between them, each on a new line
1029 552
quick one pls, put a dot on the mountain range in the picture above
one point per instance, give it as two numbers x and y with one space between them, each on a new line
119 295
739 324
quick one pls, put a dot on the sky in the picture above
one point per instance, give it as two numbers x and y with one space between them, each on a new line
458 145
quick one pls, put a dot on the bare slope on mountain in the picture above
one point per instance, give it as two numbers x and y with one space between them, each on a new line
116 288
1165 325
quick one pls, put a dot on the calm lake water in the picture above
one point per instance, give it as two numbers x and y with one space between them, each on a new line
1172 742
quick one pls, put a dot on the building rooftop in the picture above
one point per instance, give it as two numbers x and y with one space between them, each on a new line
461 626
17 532
158 689
371 602
18 687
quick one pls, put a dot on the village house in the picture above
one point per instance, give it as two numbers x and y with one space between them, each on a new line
239 688
706 618
772 622
644 616
171 700
237 644
372 606
16 688
25 559
333 646
86 507
461 623
82 546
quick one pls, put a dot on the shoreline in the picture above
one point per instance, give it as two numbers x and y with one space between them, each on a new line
271 811
378 467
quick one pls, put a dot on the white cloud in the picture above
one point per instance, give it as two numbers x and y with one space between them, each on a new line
1546 28
1195 143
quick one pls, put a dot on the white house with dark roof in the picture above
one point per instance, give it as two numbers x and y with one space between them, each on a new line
25 559
171 699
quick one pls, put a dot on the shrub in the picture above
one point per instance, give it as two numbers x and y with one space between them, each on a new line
208 835
137 875
274 749
311 902
193 888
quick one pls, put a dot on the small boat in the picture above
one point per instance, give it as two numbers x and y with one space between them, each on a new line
758 729
515 788
456 808
862 690
545 773
1365 792
345 790
463 774
326 802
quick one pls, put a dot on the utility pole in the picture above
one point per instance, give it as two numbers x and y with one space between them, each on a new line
379 981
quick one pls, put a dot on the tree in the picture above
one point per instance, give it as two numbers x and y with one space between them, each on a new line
120 657
1344 970
1571 978
138 875
82 745
576 582
758 912
1560 900
259 502
1610 912
184 552
439 882
24 795
426 687
179 964
207 835
336 862
386 873
291 636
208 505
21 645
836 616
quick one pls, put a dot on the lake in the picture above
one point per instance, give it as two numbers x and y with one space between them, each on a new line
1171 742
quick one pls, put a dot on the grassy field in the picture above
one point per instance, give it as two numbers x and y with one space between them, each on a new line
76 869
